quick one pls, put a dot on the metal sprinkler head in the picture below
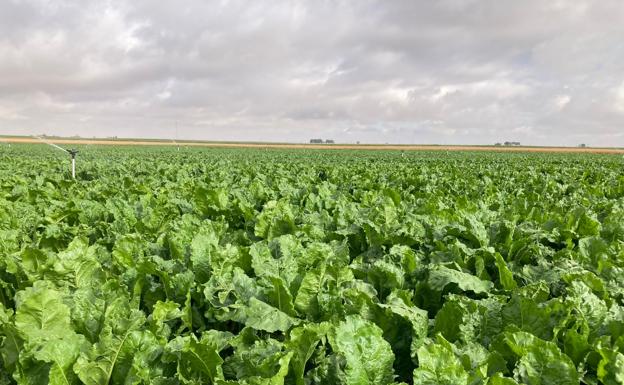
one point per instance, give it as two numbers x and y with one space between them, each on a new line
72 152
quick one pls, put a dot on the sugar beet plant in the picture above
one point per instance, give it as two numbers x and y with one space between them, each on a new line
310 267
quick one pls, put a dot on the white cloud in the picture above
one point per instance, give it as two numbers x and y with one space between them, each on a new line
452 71
164 95
561 101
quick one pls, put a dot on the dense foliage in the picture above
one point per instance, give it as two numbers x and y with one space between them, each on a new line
310 267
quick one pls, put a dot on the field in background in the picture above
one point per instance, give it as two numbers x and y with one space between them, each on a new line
157 142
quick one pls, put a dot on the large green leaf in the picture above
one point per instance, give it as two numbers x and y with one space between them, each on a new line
41 314
441 276
537 362
438 365
197 361
123 354
302 342
262 316
368 356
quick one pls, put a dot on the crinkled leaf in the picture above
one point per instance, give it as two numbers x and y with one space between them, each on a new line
302 342
197 361
262 316
368 356
538 361
41 314
438 365
440 276
123 354
278 295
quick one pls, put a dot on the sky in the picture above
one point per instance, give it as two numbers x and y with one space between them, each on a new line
401 71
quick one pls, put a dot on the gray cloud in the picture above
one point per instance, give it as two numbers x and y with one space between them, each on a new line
449 71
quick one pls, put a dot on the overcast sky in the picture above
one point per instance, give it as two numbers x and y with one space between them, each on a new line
450 71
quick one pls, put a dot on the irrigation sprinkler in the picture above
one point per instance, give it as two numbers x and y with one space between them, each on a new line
72 152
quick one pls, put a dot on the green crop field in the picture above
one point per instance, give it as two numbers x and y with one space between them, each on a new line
251 266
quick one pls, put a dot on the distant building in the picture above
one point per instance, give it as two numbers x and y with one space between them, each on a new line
329 141
582 145
316 141
512 143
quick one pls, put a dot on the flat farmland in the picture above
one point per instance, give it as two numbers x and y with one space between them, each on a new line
299 266
407 147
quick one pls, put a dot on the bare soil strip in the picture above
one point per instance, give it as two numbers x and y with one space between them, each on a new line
319 146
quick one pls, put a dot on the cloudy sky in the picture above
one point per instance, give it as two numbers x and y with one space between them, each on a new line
412 71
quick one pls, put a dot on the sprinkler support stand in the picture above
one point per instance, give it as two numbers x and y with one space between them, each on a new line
73 153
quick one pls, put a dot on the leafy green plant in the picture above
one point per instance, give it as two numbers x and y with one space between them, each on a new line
310 267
